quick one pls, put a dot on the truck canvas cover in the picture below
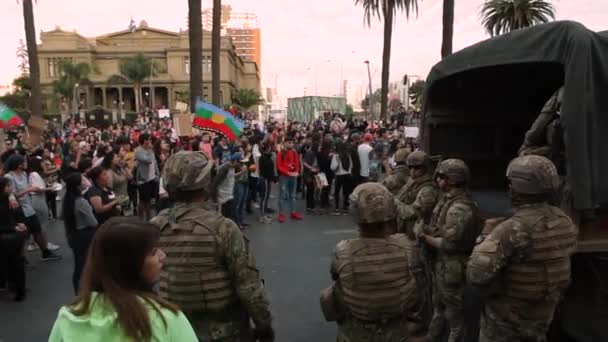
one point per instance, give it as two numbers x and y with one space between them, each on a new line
504 81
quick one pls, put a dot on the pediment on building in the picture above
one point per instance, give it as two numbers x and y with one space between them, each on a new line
146 32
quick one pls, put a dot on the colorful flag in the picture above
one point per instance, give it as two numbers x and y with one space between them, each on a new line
212 118
8 118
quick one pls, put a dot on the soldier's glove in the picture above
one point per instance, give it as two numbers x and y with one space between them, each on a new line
418 229
265 334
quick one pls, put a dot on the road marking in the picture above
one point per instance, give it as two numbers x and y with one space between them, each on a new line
339 231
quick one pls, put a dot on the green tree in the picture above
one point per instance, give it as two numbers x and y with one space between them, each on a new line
19 98
349 111
501 16
195 36
447 35
386 10
71 74
136 69
247 98
216 45
416 91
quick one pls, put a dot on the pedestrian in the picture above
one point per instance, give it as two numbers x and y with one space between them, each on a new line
222 301
528 255
147 174
116 301
451 235
267 178
364 151
13 234
288 166
310 171
80 224
324 157
51 178
241 192
368 302
223 186
341 165
104 201
39 197
22 190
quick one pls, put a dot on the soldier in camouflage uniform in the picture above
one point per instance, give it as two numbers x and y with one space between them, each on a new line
454 228
523 266
415 203
210 271
374 289
398 178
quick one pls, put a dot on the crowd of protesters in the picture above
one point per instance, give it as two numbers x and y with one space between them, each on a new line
100 173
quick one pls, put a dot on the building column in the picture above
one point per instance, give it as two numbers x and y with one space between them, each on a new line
170 103
120 104
104 99
152 104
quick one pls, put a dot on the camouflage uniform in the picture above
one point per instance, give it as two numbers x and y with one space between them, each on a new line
209 272
414 204
374 289
457 224
540 136
398 178
523 265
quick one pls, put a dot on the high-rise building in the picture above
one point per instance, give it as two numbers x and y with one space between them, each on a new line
244 30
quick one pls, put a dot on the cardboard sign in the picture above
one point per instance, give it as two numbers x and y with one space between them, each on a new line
183 124
411 132
163 113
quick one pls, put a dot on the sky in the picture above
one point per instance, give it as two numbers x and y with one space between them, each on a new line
310 45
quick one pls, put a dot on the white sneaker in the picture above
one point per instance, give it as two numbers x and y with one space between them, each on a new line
52 247
32 247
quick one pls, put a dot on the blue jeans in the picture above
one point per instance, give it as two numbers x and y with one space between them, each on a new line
241 191
287 193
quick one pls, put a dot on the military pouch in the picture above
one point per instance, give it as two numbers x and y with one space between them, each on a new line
328 304
453 272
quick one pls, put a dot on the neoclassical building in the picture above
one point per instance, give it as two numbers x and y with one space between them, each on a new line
169 51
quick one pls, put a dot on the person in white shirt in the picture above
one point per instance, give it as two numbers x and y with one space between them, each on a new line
364 150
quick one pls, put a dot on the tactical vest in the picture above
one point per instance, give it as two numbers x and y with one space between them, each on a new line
194 276
374 278
440 212
408 196
534 285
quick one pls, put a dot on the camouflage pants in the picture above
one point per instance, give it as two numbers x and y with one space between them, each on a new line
421 270
213 331
352 330
493 329
448 303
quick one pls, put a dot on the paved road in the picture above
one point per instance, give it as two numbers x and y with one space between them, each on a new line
293 257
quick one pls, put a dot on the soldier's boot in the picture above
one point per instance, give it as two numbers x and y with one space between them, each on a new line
436 327
456 325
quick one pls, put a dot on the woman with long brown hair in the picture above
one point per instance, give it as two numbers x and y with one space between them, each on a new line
116 301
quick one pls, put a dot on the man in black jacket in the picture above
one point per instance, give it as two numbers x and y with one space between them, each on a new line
267 177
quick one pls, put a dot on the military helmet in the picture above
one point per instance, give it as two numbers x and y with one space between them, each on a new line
455 170
187 171
418 158
371 203
532 175
401 155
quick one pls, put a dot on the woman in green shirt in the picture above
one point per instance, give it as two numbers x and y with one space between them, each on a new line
116 302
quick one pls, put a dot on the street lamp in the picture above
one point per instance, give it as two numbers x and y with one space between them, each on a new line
371 95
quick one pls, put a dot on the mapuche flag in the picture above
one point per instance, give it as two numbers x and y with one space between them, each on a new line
212 118
8 118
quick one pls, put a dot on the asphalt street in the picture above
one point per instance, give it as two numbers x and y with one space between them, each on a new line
293 257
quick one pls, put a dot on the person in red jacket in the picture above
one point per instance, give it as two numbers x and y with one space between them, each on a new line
288 165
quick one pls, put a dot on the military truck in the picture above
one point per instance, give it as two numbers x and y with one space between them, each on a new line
479 103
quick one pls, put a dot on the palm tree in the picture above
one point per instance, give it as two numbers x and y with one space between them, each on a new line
386 9
195 36
216 42
448 28
71 74
136 69
247 98
501 16
36 121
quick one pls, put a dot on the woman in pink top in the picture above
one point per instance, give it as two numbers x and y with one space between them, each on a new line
206 147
